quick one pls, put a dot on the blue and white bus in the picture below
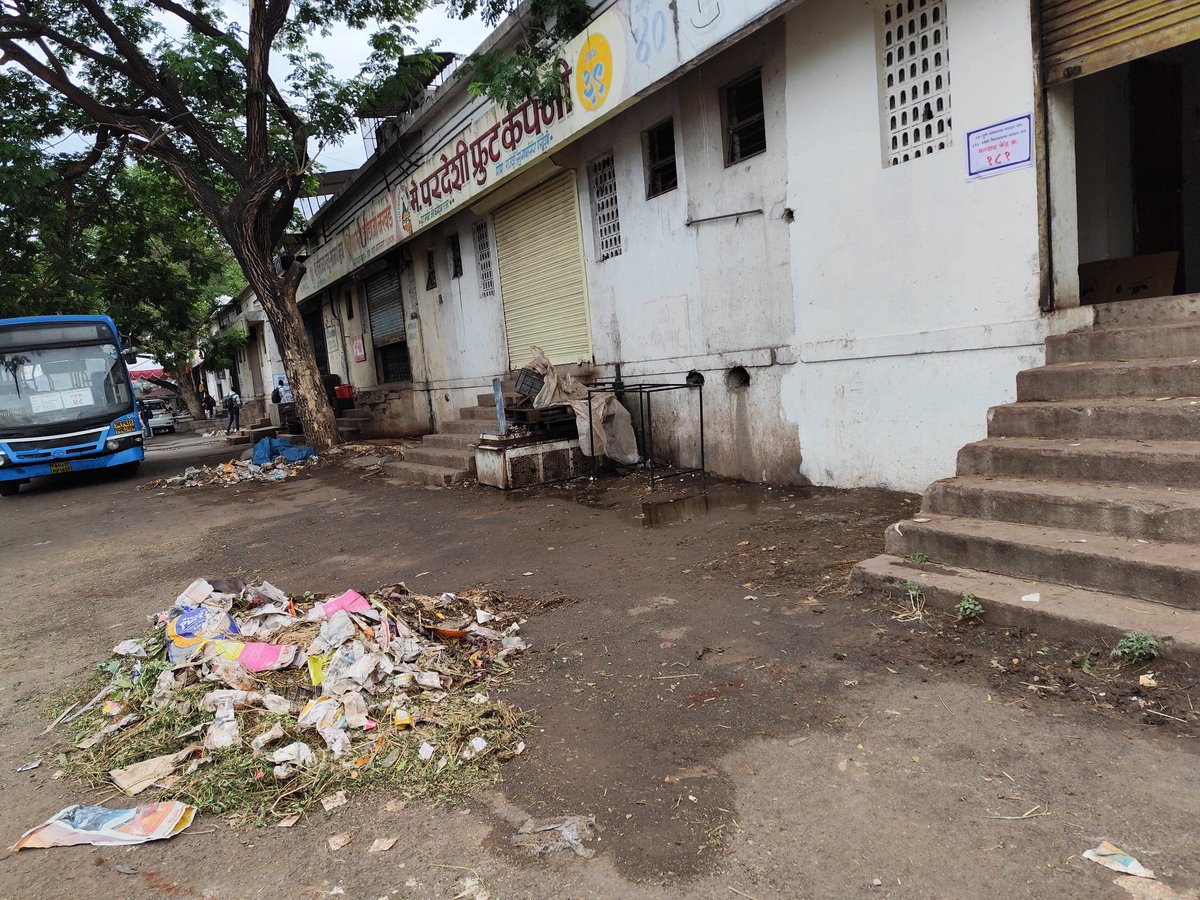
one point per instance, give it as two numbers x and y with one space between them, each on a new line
66 400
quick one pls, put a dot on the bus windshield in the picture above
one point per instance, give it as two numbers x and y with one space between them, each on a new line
42 387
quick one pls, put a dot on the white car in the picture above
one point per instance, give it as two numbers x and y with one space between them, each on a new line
160 416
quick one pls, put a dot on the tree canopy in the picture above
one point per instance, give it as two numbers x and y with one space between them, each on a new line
229 102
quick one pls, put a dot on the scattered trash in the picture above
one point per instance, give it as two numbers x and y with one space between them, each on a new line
1031 598
240 471
136 778
130 648
333 801
101 826
371 674
338 841
382 845
1118 860
555 835
30 766
1146 680
125 870
288 821
268 449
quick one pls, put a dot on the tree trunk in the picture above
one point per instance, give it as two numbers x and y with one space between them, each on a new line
187 390
299 362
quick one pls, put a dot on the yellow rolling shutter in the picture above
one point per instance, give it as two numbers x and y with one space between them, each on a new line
540 246
1080 37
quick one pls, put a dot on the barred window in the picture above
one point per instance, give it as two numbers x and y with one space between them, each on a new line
915 62
483 258
659 145
454 256
430 269
745 120
606 217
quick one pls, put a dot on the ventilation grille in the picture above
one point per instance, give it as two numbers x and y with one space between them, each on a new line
602 178
916 77
483 256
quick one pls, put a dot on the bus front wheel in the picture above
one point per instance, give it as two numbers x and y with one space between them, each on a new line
9 488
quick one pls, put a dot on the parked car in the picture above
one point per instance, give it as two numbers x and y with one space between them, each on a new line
161 416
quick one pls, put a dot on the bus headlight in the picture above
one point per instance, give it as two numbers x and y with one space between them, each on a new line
112 444
3 460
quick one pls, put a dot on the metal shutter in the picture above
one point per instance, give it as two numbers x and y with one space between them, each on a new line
384 307
540 247
1080 37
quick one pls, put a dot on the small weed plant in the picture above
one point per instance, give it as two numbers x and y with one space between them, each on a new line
1134 648
917 559
968 608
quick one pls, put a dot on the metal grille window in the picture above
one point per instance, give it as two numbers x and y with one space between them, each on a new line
483 258
430 269
916 79
661 175
606 217
745 122
454 256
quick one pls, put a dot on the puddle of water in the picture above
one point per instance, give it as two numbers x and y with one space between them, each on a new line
737 498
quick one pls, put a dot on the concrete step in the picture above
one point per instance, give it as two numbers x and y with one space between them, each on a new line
420 473
1132 511
1165 463
451 441
348 430
441 456
1078 616
1168 340
356 413
257 434
1152 311
1127 417
1156 571
1177 377
236 438
485 414
473 427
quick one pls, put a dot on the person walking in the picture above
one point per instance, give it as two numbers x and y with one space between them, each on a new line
210 405
233 406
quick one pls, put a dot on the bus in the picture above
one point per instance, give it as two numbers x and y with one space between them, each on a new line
66 400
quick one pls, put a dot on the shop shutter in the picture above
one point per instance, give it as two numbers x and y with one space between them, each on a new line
540 249
1080 37
384 306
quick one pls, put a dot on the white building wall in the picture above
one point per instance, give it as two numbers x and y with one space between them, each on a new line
709 296
915 291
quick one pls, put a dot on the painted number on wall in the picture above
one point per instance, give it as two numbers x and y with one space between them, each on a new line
650 35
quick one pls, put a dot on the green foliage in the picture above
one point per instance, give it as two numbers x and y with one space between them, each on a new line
220 350
511 76
1084 659
1135 647
968 608
917 559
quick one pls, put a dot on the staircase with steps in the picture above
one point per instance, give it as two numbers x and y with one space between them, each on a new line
1086 491
448 457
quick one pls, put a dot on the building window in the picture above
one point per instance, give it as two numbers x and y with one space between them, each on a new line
915 68
483 258
430 269
745 123
394 364
350 305
606 217
454 256
659 146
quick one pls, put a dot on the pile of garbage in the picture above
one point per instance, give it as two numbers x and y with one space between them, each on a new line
245 699
272 459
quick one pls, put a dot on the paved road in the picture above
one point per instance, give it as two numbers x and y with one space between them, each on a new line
739 726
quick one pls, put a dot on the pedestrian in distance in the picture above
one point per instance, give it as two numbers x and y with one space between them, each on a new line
210 405
233 406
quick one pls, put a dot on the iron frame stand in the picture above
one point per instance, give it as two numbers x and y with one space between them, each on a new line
645 394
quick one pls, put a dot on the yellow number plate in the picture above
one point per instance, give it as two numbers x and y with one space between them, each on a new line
59 467
123 426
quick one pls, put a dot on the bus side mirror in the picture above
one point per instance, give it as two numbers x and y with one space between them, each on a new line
130 358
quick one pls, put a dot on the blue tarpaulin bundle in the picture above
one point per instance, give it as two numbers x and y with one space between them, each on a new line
269 448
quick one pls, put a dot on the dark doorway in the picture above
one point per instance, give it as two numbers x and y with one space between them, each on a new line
314 324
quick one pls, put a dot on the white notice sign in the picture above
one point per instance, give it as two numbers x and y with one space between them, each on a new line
1000 147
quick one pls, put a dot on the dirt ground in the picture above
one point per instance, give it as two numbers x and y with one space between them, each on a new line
700 678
